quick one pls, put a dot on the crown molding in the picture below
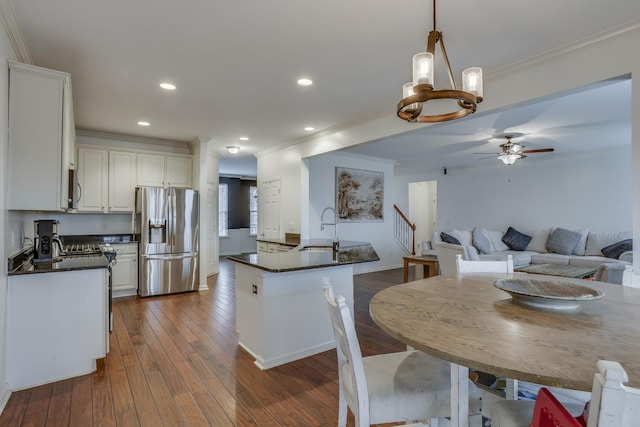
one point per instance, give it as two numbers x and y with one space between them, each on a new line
131 138
11 27
601 38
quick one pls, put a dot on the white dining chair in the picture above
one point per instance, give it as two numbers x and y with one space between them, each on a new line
466 266
612 403
406 386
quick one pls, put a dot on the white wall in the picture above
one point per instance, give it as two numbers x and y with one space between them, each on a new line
239 241
588 190
422 210
322 194
6 52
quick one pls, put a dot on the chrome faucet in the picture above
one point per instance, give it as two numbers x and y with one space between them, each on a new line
336 243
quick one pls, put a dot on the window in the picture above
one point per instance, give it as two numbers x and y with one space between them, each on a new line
223 210
253 210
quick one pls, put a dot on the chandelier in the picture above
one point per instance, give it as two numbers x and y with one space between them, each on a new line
421 89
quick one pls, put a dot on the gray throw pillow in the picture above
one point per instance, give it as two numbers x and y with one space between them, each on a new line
481 240
615 250
516 240
562 241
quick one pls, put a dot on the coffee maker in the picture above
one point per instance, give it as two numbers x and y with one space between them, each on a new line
48 246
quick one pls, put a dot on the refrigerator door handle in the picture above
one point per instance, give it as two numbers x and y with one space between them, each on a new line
170 257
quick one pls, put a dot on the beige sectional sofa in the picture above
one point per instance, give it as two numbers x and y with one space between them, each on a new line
586 252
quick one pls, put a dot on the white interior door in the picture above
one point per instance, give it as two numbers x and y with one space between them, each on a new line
270 196
423 208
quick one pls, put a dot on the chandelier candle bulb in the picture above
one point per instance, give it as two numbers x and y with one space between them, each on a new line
472 81
423 68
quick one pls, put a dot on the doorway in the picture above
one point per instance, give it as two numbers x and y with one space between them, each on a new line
423 210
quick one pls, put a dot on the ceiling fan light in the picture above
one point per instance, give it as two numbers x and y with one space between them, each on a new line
509 159
472 81
423 68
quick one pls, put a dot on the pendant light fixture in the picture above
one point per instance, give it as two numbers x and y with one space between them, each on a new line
421 89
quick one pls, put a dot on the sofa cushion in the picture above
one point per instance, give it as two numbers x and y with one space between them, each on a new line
582 243
482 241
516 240
448 238
562 241
597 241
538 241
463 236
614 251
520 258
550 259
496 241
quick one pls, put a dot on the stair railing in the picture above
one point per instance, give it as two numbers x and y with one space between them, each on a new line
404 231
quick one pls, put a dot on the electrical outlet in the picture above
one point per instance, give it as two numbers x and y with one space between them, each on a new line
13 239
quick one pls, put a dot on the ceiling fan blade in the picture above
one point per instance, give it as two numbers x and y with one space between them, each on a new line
488 157
539 150
495 154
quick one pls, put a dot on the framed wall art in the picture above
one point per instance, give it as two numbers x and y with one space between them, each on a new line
359 195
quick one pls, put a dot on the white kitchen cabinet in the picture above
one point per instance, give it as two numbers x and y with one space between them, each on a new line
122 181
156 170
41 138
106 180
178 172
92 179
124 274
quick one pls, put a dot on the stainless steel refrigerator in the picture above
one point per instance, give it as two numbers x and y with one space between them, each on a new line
168 221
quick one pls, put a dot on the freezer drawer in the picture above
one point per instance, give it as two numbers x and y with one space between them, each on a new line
168 274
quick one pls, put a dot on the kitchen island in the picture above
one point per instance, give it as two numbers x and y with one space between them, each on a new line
281 313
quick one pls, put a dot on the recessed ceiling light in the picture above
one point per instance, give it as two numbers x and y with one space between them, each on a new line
309 128
143 123
233 149
244 138
305 82
168 86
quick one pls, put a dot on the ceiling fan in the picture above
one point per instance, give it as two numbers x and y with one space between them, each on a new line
512 151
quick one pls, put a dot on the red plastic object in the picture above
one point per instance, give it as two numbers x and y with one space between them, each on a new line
548 412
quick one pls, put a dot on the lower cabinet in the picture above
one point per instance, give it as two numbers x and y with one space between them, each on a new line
124 275
56 326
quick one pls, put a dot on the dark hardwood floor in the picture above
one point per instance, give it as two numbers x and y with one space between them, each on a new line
175 361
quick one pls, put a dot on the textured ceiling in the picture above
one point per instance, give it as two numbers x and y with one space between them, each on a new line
236 62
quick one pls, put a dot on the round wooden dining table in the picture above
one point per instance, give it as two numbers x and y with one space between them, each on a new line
468 321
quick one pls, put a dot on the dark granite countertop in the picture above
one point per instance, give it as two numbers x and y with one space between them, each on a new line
320 255
22 262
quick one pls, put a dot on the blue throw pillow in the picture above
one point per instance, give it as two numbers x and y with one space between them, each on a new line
615 250
448 238
516 240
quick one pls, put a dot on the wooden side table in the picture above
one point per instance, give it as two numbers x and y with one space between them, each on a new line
430 263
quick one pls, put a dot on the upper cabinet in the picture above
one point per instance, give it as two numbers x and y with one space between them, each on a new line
164 171
106 180
41 138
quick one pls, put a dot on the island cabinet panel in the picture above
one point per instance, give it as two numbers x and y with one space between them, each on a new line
282 317
56 326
